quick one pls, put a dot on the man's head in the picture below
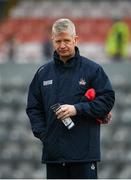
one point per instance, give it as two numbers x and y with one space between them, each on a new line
64 38
63 25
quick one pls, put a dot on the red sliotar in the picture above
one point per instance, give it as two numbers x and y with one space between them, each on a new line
91 94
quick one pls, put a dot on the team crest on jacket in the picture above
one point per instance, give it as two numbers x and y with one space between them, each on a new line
82 82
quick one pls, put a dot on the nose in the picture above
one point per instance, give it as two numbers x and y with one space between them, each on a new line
62 45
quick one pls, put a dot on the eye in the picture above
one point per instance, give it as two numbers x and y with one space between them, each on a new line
58 41
66 40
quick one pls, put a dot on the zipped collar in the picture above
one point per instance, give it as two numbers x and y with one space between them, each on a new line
70 63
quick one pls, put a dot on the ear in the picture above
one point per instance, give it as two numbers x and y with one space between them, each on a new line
52 37
76 40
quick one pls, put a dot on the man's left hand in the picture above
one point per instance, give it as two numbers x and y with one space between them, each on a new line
65 111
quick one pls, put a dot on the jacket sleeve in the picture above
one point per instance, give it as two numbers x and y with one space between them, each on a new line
34 109
105 97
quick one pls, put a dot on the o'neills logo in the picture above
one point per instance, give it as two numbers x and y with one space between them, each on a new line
82 82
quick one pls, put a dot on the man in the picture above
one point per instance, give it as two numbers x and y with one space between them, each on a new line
74 152
117 40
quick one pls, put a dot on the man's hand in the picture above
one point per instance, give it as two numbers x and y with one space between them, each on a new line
66 111
105 120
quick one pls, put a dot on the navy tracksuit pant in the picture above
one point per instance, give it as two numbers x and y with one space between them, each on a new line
72 171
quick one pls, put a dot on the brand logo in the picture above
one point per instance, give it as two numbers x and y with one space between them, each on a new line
82 82
93 167
48 82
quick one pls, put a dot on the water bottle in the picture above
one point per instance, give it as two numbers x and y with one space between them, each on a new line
67 121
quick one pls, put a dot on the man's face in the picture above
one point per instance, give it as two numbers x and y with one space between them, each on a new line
64 44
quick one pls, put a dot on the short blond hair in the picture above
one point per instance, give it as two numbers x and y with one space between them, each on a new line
63 25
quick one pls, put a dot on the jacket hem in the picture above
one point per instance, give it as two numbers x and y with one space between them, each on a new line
71 161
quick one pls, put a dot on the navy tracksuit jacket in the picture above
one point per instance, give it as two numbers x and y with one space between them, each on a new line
57 82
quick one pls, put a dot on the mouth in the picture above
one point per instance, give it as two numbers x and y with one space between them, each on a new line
63 51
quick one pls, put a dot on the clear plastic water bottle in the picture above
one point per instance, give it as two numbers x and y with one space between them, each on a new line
67 121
